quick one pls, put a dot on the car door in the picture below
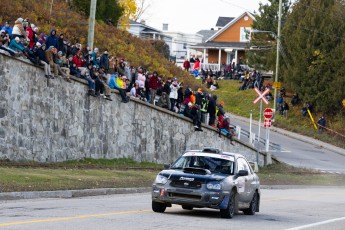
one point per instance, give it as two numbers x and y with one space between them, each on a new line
244 182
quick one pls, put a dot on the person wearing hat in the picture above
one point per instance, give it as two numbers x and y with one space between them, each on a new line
40 53
94 59
15 45
18 30
8 29
173 94
31 35
116 82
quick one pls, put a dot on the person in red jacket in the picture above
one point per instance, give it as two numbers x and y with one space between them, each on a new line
153 86
79 61
186 65
31 35
196 67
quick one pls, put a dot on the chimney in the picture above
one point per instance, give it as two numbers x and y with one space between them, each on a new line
142 21
165 26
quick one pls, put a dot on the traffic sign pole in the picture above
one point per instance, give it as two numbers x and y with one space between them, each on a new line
257 153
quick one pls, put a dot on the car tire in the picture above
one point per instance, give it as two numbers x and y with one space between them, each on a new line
187 207
158 207
231 209
253 205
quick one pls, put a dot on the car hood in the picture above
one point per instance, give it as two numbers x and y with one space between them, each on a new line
179 174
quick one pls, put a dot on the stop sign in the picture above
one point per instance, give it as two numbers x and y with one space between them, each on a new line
268 113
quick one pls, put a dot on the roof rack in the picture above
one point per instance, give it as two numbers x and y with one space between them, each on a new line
212 150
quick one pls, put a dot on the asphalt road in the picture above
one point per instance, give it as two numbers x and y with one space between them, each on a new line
297 152
295 208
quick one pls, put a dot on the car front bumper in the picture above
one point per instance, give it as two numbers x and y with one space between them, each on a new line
202 197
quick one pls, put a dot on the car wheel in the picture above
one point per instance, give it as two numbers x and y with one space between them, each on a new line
230 210
158 207
253 205
187 207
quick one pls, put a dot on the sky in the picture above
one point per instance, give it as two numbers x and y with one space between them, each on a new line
190 16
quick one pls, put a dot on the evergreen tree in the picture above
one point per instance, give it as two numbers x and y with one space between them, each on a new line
108 11
313 37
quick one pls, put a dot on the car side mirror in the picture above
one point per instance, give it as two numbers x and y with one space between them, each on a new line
167 166
242 173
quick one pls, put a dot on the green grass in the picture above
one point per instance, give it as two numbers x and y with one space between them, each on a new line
55 177
282 174
240 102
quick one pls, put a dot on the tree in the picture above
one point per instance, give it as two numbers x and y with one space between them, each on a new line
129 10
109 11
313 37
262 54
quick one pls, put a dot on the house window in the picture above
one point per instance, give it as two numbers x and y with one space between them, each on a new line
244 34
184 45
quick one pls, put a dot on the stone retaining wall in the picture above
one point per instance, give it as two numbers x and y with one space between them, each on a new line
53 120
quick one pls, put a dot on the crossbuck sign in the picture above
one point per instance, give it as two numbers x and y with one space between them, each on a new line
261 96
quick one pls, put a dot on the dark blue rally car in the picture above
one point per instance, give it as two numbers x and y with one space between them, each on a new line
208 178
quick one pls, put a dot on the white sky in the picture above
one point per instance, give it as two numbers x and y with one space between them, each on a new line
190 16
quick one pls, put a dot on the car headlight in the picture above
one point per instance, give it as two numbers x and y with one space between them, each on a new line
214 186
161 179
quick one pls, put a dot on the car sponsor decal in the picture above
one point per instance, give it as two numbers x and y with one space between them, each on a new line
186 178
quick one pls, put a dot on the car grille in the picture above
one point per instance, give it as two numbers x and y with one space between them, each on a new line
184 196
186 184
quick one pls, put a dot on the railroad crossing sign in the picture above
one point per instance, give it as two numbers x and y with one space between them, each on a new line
267 123
268 113
261 96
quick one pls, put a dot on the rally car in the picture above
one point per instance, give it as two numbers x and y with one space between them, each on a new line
208 178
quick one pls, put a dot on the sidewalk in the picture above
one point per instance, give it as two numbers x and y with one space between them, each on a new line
297 136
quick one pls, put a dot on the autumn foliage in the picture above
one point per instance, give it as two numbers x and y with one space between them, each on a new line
75 26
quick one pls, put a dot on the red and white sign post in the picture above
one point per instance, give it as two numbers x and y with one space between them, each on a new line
261 97
268 114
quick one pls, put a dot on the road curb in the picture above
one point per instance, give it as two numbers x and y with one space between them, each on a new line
70 193
297 136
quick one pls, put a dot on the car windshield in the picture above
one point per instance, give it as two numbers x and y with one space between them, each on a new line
214 164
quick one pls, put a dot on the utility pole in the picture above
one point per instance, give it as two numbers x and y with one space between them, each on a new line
92 24
278 46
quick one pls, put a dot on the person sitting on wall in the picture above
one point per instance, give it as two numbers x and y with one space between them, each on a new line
116 82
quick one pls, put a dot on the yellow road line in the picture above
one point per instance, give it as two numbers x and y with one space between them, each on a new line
70 218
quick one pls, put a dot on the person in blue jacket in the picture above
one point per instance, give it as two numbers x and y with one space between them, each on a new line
8 28
52 40
15 45
113 84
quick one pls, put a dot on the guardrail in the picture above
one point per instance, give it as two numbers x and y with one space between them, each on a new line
252 137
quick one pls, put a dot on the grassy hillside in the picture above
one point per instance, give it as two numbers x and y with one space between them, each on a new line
75 26
241 103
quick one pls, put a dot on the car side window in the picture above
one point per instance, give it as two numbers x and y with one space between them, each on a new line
243 165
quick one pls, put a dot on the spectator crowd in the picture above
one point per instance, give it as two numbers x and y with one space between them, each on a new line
103 72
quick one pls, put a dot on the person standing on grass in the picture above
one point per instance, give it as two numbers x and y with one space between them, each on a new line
321 124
